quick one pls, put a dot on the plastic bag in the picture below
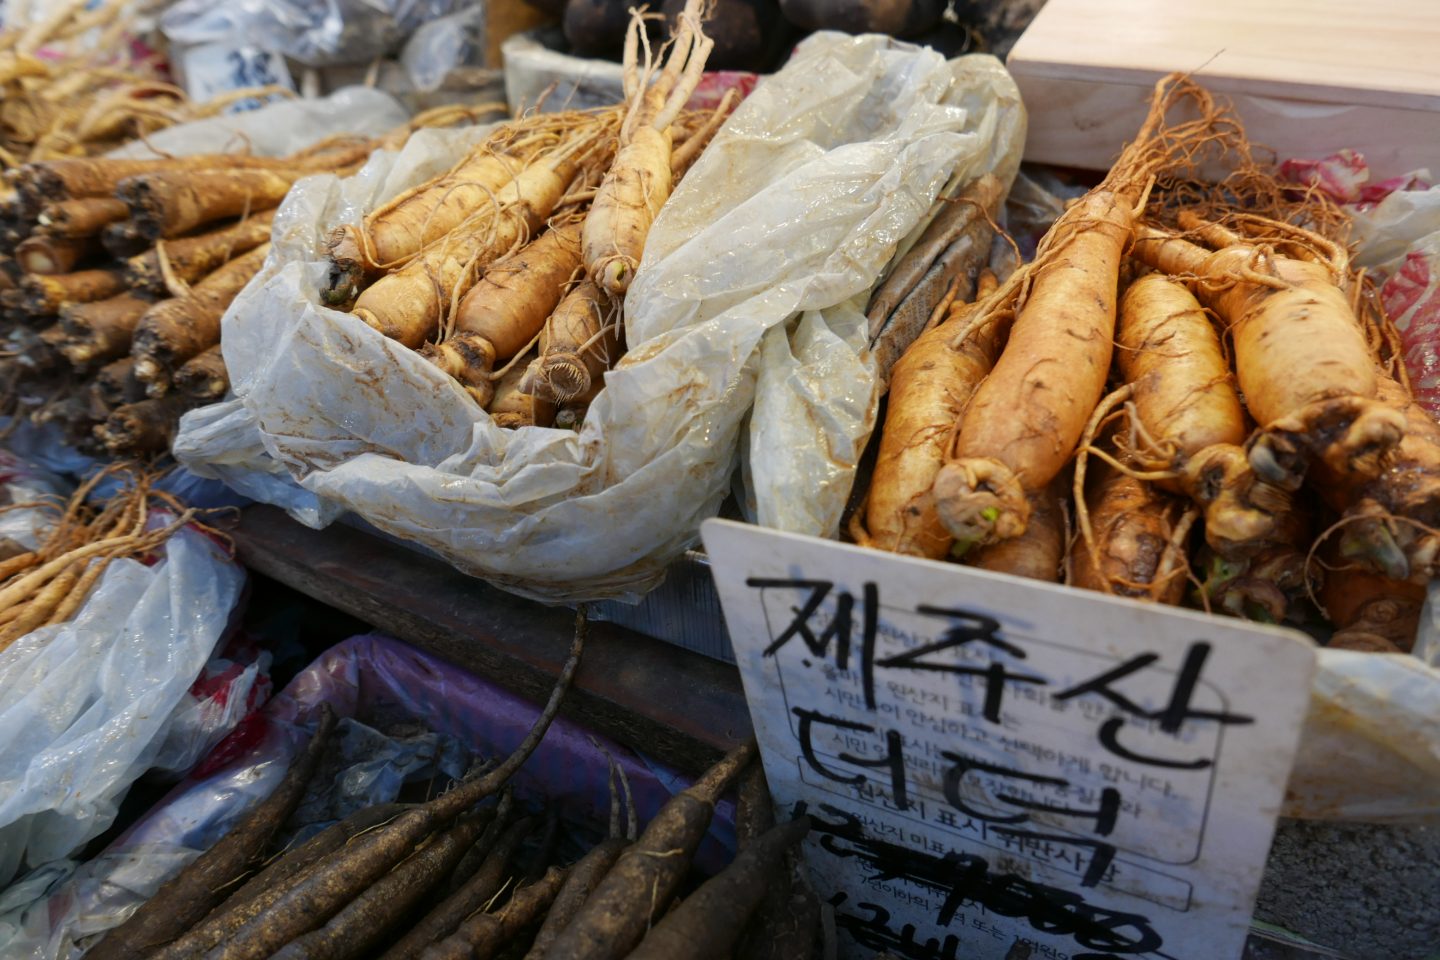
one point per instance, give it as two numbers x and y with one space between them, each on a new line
23 528
232 686
739 249
45 449
278 128
817 395
1370 747
386 684
318 33
1397 237
86 705
440 46
538 72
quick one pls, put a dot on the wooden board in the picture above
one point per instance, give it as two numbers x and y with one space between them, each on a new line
678 706
1308 76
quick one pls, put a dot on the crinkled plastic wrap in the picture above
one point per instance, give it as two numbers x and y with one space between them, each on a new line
1370 748
385 684
318 33
440 46
817 395
278 128
86 706
795 207
537 72
21 527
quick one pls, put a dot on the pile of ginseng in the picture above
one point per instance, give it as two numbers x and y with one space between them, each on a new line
508 272
47 586
469 874
114 275
1188 396
71 85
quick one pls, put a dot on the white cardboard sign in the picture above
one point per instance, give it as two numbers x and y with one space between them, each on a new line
990 762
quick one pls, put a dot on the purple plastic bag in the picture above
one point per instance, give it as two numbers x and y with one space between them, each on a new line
381 681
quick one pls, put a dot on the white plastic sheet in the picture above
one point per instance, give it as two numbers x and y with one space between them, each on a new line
795 207
1370 748
86 705
817 395
278 128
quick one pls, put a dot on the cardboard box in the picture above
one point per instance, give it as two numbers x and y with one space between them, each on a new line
1308 77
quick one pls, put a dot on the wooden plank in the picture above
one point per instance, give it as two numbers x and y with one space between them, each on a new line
1380 53
1307 77
1085 124
677 706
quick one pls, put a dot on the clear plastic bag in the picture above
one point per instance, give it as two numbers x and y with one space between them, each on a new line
384 684
317 33
278 128
21 482
740 249
537 72
442 45
87 705
817 394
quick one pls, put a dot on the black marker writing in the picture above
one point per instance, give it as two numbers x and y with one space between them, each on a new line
894 758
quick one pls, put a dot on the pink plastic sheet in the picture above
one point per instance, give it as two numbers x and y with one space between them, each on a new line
1398 225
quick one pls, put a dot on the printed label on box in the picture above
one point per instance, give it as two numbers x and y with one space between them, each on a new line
215 68
994 765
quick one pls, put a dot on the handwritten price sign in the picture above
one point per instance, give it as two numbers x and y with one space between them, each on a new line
990 761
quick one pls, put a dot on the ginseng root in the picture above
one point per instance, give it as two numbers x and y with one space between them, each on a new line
408 305
581 340
1392 522
116 384
640 886
203 377
188 896
511 407
1024 422
504 312
1303 363
418 217
1133 541
167 204
82 218
123 239
44 296
1370 612
189 259
1191 422
144 427
640 179
48 253
1266 587
930 386
101 331
175 330
1039 552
